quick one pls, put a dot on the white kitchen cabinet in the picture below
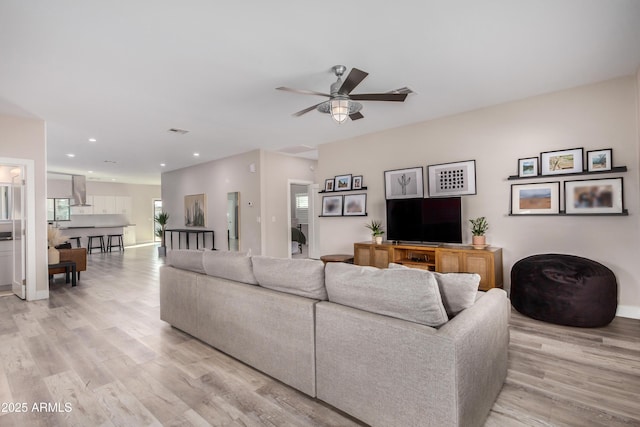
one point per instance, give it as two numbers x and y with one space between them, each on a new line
123 206
83 210
129 236
104 204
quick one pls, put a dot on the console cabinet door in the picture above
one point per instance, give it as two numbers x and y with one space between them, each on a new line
362 254
371 255
449 261
381 256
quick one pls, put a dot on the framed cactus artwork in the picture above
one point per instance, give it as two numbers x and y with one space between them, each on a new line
404 183
452 179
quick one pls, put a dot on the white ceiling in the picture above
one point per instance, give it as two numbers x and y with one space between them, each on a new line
124 72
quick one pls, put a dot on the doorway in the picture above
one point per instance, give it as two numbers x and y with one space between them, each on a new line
157 231
301 216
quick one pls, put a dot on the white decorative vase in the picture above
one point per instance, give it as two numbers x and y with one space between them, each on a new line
479 242
378 240
54 256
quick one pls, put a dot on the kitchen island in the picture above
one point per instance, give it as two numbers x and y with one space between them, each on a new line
83 232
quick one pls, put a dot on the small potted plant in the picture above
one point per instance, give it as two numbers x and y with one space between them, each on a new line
376 231
479 227
162 219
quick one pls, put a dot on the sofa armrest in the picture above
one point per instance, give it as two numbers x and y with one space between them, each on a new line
481 337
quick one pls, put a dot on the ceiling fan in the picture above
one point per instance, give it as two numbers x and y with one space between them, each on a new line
342 103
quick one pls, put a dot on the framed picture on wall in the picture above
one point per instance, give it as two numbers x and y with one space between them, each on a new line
356 182
599 160
594 196
195 210
328 184
355 205
528 167
343 183
535 199
332 206
404 183
452 179
561 162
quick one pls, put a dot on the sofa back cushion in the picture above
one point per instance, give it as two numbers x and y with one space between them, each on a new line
185 259
407 294
303 277
229 265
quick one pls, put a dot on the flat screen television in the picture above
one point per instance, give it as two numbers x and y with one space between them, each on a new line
429 220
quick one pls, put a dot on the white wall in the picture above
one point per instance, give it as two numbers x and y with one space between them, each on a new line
142 197
603 115
25 139
215 179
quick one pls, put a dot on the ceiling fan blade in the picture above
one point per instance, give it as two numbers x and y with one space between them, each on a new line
353 79
306 110
398 97
402 90
303 91
356 116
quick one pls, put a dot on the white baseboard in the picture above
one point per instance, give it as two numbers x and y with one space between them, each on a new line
630 311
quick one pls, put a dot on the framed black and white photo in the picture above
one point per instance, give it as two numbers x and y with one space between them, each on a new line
594 196
528 167
535 199
343 183
600 160
356 183
355 205
452 179
561 162
328 184
332 206
404 183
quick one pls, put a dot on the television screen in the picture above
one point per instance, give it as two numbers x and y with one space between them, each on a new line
436 220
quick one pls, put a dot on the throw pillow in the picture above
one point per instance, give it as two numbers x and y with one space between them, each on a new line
229 265
304 277
408 294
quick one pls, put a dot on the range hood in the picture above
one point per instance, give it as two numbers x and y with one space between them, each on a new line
79 190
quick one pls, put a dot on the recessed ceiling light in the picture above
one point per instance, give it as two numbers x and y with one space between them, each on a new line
196 154
113 179
92 140
89 171
163 164
71 155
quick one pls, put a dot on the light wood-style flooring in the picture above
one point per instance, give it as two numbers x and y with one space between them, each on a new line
101 349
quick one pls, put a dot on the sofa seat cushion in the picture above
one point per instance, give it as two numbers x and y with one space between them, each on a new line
303 277
408 294
229 265
185 259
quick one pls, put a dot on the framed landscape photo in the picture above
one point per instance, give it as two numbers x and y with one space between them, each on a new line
355 205
528 167
594 196
535 199
332 206
561 162
404 183
343 183
328 184
452 179
356 182
600 160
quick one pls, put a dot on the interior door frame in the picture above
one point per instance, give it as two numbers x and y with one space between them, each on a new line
312 189
29 197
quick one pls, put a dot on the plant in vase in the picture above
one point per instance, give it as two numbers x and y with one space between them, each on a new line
54 238
376 231
479 227
162 219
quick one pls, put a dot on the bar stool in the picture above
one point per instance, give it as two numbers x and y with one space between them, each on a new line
100 242
77 239
115 241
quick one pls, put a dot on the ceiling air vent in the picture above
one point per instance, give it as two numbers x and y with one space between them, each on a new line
178 131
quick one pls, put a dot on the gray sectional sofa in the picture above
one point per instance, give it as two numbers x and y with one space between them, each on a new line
396 346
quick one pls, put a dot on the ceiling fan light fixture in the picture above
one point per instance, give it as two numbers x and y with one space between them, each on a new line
339 108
